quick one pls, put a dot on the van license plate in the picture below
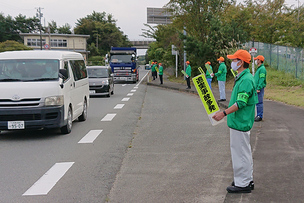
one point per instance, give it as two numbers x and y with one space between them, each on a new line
92 91
123 78
15 125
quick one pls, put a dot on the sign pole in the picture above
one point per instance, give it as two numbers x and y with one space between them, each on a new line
253 51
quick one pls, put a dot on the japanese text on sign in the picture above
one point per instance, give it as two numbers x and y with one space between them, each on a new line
206 96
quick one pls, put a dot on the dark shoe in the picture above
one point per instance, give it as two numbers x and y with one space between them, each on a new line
251 185
188 88
221 100
235 189
257 119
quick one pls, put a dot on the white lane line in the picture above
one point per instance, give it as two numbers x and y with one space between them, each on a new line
130 94
135 87
90 136
133 90
142 79
119 106
49 179
125 99
109 117
124 85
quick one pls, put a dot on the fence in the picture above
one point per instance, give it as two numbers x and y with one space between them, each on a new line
284 58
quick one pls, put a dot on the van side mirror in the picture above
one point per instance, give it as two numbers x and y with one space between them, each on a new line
63 74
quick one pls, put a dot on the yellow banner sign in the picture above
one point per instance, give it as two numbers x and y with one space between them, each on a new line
207 97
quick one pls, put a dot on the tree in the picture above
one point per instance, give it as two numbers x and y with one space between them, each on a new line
10 27
103 31
10 45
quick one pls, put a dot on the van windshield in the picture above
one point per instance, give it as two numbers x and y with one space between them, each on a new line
29 70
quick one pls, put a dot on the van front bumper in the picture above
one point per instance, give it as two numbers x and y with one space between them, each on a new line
34 118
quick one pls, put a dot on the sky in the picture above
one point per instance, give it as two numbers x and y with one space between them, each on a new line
130 14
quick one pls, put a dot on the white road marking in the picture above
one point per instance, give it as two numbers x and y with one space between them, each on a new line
133 90
135 87
142 79
130 94
90 136
109 117
119 106
125 99
124 85
49 179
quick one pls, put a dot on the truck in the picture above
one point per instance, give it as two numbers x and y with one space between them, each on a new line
123 62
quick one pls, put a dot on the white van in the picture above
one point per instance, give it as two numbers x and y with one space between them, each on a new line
42 89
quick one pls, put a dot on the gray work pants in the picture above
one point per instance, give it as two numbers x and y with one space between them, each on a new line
241 157
221 85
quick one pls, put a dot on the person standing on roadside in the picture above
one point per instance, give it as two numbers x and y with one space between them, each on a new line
153 70
221 78
188 72
240 119
160 73
260 81
156 68
208 76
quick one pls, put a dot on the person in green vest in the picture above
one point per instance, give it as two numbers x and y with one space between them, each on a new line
160 73
153 70
188 72
240 119
221 78
260 81
208 76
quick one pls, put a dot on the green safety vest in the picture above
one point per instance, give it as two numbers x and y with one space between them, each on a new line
161 69
245 95
188 70
221 73
260 77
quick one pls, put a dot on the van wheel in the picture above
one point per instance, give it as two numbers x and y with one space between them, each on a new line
68 127
84 114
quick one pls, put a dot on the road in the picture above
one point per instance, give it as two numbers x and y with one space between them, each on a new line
45 166
143 144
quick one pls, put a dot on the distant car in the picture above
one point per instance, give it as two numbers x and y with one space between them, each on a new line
101 80
147 67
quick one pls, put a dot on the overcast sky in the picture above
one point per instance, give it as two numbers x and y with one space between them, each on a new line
130 14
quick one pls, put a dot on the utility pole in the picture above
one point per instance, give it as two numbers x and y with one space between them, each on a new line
39 15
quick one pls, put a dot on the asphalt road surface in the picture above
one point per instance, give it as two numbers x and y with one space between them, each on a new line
46 166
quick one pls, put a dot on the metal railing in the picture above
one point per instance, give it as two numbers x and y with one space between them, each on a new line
284 58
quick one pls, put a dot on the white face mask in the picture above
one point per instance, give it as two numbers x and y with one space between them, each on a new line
234 65
256 62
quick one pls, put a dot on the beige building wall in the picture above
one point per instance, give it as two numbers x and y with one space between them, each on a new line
69 42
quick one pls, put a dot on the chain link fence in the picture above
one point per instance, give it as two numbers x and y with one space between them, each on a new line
284 58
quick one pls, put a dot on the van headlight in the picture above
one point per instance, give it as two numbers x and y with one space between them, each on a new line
54 101
105 82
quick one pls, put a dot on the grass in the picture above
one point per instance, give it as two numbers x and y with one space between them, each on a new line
281 86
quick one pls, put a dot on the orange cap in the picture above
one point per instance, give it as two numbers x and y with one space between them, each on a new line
152 62
221 59
160 64
208 62
187 62
260 57
241 54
